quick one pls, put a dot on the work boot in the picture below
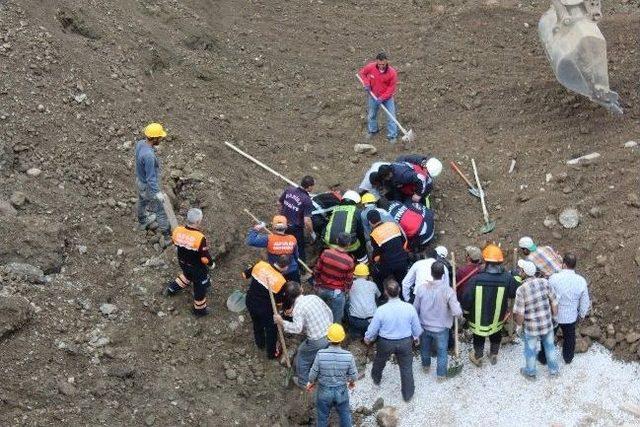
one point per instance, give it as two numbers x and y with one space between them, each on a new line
172 289
475 360
200 312
493 358
527 376
150 219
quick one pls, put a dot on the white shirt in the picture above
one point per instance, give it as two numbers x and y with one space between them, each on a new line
572 293
366 184
418 274
362 298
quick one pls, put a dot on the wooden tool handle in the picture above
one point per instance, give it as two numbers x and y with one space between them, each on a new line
455 319
459 172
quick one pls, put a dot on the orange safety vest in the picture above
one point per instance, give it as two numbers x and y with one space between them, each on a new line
188 239
266 275
278 244
385 232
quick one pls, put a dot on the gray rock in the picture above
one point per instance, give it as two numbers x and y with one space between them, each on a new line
632 337
549 222
27 271
79 98
569 218
633 200
592 331
365 149
387 417
6 209
108 309
595 212
149 420
231 374
378 404
601 260
34 172
18 199
630 144
583 344
66 388
15 313
82 249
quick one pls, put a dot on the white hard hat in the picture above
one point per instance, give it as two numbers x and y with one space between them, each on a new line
526 243
442 251
434 167
351 195
528 267
194 216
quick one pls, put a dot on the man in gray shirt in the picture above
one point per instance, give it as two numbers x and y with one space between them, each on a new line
150 196
362 301
335 372
437 305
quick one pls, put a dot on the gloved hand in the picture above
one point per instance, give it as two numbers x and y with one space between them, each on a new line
159 196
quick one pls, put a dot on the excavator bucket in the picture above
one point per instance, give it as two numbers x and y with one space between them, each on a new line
577 50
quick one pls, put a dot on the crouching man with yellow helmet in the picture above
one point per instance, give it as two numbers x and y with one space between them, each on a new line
485 300
194 259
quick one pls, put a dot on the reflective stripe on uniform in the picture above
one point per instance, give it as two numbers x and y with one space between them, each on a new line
342 221
385 232
496 323
199 305
182 281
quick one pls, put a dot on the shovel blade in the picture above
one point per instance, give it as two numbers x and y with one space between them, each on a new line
236 302
409 136
455 367
488 227
474 192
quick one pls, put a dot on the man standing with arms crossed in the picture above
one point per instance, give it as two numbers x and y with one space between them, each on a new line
380 78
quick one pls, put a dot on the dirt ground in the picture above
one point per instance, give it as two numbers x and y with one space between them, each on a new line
79 80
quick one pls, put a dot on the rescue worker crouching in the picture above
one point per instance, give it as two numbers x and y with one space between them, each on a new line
277 243
265 275
388 250
345 218
194 259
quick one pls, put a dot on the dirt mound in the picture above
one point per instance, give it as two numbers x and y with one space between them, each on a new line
80 80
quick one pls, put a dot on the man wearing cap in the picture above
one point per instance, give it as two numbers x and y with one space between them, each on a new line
573 304
380 78
486 301
311 317
194 259
467 271
389 255
295 204
265 276
545 258
334 371
396 326
277 243
150 195
362 301
333 275
535 307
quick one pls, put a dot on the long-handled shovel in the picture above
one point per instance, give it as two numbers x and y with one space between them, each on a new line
255 218
472 189
407 136
489 225
455 364
283 344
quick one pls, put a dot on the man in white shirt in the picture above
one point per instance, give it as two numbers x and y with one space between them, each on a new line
419 273
573 304
362 301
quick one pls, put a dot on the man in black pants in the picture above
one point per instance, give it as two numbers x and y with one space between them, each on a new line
264 275
573 304
397 327
389 255
296 205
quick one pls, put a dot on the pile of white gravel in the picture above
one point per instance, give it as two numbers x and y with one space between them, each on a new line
587 392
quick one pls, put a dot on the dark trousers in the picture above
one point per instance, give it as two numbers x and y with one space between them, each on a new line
403 349
293 276
494 339
265 331
568 343
382 271
358 326
199 277
298 232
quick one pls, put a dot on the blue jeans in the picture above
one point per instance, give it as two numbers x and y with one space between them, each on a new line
335 301
441 339
531 353
305 356
327 398
372 120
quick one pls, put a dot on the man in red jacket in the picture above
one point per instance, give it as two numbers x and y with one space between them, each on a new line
380 78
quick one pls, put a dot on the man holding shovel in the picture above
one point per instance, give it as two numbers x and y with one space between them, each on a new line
379 79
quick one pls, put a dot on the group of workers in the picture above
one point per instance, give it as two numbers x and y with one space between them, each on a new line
375 274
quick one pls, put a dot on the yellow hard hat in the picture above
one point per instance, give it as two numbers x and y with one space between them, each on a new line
361 270
154 130
335 334
368 198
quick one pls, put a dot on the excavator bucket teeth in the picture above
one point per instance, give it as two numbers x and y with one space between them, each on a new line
577 52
